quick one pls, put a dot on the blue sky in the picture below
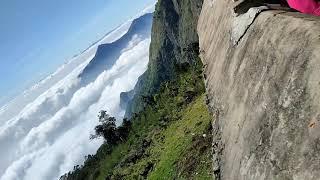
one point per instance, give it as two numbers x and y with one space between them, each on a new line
37 36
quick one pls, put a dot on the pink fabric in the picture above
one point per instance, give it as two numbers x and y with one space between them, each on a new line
305 6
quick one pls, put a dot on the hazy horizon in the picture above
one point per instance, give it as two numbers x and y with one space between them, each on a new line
46 129
66 29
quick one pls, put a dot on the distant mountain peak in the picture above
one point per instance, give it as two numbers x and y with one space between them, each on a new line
107 54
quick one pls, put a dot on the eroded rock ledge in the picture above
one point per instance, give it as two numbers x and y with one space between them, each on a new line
265 91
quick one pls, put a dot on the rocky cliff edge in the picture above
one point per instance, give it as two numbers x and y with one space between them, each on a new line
263 83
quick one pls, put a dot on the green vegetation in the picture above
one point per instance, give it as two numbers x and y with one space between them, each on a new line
107 129
174 40
170 132
169 139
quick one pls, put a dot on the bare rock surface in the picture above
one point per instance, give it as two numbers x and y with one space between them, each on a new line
263 86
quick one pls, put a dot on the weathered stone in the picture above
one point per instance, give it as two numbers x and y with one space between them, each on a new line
242 22
264 92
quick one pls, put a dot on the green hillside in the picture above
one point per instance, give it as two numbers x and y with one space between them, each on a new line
169 139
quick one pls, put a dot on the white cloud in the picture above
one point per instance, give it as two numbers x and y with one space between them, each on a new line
36 93
51 134
49 125
41 102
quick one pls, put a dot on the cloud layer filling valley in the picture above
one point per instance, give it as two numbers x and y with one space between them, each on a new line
51 134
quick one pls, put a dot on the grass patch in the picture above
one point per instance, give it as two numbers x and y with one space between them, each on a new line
169 139
178 141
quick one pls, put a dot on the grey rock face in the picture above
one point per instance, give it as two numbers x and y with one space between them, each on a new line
174 31
125 98
264 92
242 22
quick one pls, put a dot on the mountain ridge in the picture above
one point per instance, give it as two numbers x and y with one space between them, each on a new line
174 42
107 54
171 126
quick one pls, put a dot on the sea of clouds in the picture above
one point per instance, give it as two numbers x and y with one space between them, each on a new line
45 132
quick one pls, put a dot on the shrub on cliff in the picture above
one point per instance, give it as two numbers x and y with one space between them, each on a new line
108 130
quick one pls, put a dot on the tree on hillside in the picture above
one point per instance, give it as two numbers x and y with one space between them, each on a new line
108 129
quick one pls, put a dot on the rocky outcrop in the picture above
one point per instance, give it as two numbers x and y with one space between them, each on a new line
125 98
263 85
174 41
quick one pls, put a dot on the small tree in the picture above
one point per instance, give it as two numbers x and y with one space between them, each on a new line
107 129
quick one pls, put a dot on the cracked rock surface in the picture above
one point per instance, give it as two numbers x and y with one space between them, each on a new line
242 22
264 92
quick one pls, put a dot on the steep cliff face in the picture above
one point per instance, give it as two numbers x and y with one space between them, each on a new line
170 132
263 84
174 43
